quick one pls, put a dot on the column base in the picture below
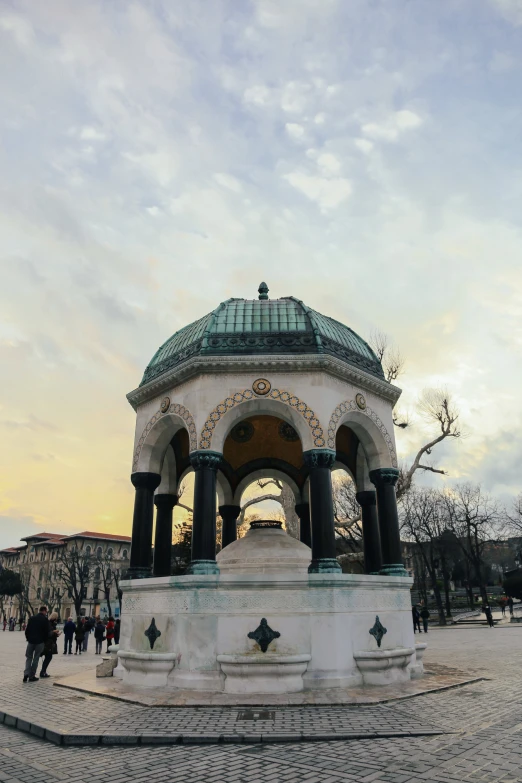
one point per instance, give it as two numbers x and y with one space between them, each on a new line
393 569
203 567
138 573
326 565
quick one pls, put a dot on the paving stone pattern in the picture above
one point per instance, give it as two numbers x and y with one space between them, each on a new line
486 719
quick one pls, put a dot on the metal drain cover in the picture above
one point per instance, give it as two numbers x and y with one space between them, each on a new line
256 715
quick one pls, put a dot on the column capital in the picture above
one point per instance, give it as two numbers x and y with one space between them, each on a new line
384 476
149 481
205 459
366 498
165 501
319 458
230 510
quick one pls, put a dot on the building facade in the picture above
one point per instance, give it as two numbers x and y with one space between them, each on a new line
44 558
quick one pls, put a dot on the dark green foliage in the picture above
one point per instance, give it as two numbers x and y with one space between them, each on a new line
10 583
513 584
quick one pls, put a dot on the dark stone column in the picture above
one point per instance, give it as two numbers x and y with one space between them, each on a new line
305 531
163 538
205 464
229 515
370 529
384 480
319 462
141 547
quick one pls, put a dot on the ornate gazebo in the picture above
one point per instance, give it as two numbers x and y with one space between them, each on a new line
262 388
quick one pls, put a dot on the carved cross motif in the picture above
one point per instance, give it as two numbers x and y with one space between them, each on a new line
152 633
378 631
263 635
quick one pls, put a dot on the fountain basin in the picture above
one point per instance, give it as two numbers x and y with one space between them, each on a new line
263 672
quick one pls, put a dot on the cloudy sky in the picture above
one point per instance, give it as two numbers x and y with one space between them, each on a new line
159 157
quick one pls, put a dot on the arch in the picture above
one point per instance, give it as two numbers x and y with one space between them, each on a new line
375 438
223 488
277 402
266 473
157 434
169 484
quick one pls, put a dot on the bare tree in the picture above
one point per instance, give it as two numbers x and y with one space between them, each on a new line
104 563
423 523
436 407
347 512
74 570
475 519
514 519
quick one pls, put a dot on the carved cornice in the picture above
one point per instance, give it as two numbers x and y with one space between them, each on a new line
292 363
205 459
319 458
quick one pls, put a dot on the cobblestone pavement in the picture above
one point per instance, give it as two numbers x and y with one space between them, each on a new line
486 718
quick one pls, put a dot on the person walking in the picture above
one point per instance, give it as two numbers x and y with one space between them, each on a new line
425 615
68 633
510 605
109 632
117 628
416 619
50 646
99 635
89 625
37 632
503 608
489 617
79 636
12 623
5 622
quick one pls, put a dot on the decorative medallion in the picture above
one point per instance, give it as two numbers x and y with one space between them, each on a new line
264 635
152 633
361 402
165 404
378 631
242 432
287 432
261 386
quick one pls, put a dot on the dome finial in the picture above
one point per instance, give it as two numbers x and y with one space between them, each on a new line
263 291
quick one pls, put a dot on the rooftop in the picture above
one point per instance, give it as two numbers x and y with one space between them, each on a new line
263 326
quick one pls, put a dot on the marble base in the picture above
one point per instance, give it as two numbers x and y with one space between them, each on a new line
148 669
263 673
205 622
417 668
384 667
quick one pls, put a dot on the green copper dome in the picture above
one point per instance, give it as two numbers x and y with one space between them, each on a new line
253 327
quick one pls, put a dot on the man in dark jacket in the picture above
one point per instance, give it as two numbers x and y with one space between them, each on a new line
37 632
425 614
68 633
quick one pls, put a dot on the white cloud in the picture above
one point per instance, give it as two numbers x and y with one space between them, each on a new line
258 94
511 10
391 128
20 29
327 193
328 163
364 145
92 134
228 181
294 130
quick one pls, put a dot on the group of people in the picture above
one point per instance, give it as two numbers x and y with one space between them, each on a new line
12 623
104 630
419 613
42 635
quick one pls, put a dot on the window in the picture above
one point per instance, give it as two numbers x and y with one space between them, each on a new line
110 551
41 575
88 550
42 555
95 594
97 573
99 552
125 554
32 549
39 593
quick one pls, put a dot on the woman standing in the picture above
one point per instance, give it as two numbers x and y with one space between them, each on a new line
51 647
79 636
109 632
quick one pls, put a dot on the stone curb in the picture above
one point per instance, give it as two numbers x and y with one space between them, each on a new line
69 739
